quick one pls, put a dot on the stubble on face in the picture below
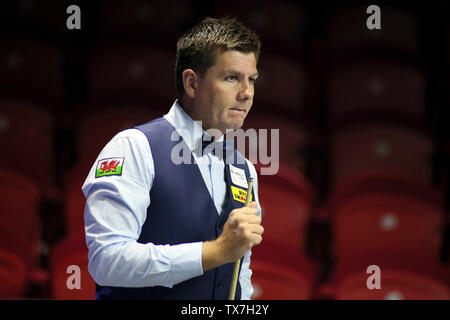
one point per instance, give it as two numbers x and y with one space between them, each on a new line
225 93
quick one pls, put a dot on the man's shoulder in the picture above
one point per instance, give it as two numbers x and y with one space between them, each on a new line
159 125
130 133
150 124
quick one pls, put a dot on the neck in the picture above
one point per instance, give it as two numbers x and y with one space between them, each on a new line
188 107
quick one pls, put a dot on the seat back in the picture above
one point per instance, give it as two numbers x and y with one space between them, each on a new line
26 141
281 273
291 141
12 276
32 68
386 214
19 210
272 281
380 146
131 73
286 200
372 85
396 284
69 268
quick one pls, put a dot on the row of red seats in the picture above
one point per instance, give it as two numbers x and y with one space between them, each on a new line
123 72
66 278
282 23
21 245
365 144
387 220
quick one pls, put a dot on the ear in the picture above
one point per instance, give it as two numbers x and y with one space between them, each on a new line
190 82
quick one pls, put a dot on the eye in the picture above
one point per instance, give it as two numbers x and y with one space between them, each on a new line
252 80
231 78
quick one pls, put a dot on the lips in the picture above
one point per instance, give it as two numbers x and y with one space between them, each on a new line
239 110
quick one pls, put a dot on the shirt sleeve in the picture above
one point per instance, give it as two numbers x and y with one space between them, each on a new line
116 209
246 273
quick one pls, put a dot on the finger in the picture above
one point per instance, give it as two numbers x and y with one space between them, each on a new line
255 239
253 205
251 219
246 218
243 210
249 211
255 229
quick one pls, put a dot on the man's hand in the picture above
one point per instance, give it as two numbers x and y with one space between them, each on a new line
241 232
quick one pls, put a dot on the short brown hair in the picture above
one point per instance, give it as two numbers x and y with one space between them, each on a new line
196 49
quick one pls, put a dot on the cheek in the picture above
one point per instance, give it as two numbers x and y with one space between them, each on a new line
219 99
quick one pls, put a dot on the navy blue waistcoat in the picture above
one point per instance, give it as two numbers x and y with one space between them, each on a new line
181 211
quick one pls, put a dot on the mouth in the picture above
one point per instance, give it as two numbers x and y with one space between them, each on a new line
240 111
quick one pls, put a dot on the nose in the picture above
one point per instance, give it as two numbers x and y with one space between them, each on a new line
246 91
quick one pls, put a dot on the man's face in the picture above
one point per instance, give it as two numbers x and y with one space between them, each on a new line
225 94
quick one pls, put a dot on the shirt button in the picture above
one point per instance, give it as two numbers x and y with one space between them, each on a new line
219 285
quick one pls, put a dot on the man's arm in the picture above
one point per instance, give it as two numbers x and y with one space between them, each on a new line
116 209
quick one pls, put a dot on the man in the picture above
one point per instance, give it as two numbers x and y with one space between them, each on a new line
157 229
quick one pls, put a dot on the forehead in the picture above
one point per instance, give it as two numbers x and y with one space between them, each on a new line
232 60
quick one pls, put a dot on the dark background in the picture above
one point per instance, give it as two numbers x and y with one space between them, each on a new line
348 102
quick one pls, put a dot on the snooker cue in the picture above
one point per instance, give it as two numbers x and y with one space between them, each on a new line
237 264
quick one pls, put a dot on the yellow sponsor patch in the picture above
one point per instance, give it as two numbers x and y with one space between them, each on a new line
239 194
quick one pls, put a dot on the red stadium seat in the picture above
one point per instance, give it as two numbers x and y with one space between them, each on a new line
281 85
388 215
72 251
128 73
274 282
280 24
375 146
386 181
12 276
280 273
20 245
19 209
396 285
399 279
291 143
347 31
74 200
36 16
143 20
31 68
373 85
286 200
26 140
28 253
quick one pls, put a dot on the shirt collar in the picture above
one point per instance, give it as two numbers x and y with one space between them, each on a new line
191 131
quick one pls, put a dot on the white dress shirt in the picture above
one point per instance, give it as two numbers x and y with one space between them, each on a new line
116 209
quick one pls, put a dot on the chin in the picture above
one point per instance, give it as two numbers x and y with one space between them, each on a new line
236 124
